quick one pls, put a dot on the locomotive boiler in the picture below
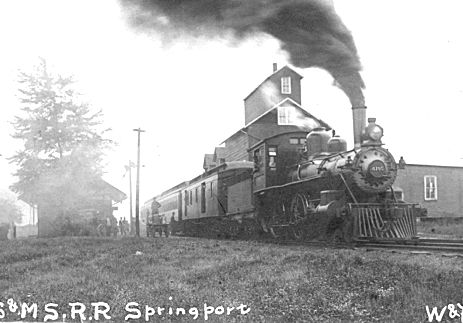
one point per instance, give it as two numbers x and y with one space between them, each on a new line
371 169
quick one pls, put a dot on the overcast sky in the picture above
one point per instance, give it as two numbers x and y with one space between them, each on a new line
188 96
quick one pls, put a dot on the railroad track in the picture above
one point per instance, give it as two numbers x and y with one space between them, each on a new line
415 246
418 245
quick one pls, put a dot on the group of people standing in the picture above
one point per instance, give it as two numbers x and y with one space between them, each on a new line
123 226
114 228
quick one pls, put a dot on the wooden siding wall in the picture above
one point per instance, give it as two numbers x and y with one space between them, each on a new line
449 201
267 128
237 147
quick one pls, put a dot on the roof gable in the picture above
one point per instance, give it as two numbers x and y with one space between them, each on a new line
286 100
285 68
208 158
101 186
208 161
219 153
297 106
98 187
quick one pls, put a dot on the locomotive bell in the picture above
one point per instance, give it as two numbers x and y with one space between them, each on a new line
373 134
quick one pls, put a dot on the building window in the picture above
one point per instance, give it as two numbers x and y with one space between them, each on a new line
211 190
297 141
258 162
430 188
272 158
286 85
191 197
286 115
196 195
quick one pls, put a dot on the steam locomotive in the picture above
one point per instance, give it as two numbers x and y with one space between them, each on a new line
298 184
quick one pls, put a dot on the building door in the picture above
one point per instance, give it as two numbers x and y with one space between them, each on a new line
259 168
185 193
203 197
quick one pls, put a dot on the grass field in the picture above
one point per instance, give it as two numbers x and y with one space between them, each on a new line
274 283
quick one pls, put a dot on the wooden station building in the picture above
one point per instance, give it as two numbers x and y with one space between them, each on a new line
98 209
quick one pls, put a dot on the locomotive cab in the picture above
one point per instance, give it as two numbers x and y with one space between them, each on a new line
274 156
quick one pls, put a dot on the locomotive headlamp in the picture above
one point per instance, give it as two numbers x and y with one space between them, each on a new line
375 133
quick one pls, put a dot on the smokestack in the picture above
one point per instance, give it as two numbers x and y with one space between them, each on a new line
275 67
359 119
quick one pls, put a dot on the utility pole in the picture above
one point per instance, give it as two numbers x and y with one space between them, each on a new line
129 169
36 206
137 194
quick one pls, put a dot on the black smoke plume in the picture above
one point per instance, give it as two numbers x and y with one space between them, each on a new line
309 30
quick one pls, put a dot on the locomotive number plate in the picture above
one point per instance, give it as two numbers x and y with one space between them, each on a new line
377 169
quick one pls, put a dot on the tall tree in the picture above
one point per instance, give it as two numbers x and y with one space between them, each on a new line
9 209
63 141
